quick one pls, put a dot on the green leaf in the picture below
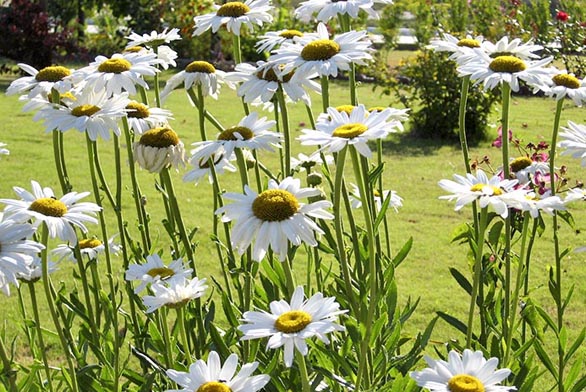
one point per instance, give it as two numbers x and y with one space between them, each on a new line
580 386
462 281
400 257
576 345
454 322
545 359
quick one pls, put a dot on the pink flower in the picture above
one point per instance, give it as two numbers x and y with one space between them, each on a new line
562 16
498 142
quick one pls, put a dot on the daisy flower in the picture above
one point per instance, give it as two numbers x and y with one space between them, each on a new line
35 270
251 132
339 129
16 252
563 85
40 83
533 203
573 139
159 148
505 69
305 162
462 50
215 377
92 112
4 151
59 215
234 14
121 72
141 118
272 39
328 9
154 270
318 53
575 194
515 48
470 372
262 82
202 167
173 293
153 39
291 324
274 218
395 202
498 193
90 247
525 169
196 73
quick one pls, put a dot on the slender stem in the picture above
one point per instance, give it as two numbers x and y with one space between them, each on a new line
462 122
7 367
242 168
289 276
325 94
556 244
51 306
477 273
286 132
86 292
310 116
157 90
184 341
35 305
207 114
58 149
162 317
202 112
352 82
527 263
303 374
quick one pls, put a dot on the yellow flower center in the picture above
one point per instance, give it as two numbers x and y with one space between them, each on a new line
569 81
84 110
293 321
520 163
200 67
114 66
89 243
133 49
507 64
289 34
161 137
52 74
49 207
319 50
271 76
161 272
275 205
479 187
214 386
377 109
349 131
469 43
233 9
229 134
465 383
137 110
345 109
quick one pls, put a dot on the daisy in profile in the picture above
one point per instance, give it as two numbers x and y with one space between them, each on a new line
493 72
573 140
35 270
318 53
121 72
274 218
93 112
196 73
202 168
215 377
60 216
159 148
563 84
496 192
262 82
234 14
154 270
534 203
338 129
4 151
395 202
470 372
41 82
575 194
153 39
328 9
462 50
290 324
17 252
173 293
251 132
526 169
90 247
306 162
516 47
141 118
273 39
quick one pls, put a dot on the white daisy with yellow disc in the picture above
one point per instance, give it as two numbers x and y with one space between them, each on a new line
234 14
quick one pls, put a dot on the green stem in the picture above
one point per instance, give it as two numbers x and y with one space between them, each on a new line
44 348
181 325
162 317
556 244
51 306
202 112
286 132
462 122
58 149
242 168
7 367
477 274
289 276
157 90
207 114
325 93
303 374
86 292
310 116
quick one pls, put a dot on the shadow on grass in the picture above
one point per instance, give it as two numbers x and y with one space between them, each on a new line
412 145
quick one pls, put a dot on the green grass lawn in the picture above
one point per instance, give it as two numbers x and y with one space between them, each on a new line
413 168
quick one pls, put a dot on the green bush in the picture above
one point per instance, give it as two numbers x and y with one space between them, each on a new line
429 84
